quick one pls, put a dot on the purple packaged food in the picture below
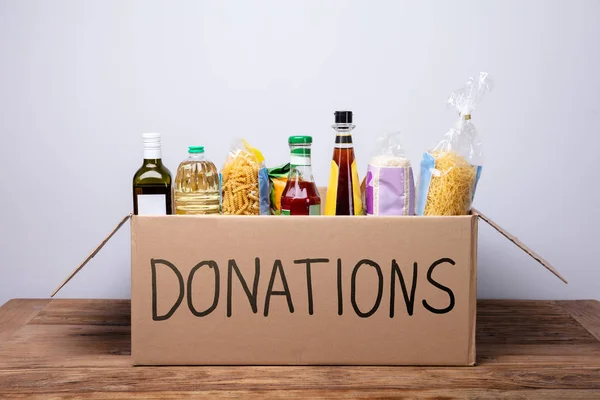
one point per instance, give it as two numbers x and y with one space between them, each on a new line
390 186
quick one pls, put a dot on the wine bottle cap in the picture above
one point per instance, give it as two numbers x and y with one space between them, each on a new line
152 145
151 139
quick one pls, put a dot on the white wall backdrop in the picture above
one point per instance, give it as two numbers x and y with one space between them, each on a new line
81 80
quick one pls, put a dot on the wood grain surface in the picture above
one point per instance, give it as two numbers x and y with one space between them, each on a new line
67 349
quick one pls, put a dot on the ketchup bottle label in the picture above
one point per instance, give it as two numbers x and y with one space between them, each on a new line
314 209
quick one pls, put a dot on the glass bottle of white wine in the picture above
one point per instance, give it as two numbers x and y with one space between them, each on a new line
152 193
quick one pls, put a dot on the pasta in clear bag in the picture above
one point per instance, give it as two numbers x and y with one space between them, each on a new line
450 172
245 182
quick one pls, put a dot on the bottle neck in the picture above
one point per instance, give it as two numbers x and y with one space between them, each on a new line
301 173
196 156
152 153
343 137
153 161
300 163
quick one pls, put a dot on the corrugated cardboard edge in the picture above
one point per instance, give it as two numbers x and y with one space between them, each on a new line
478 213
519 244
92 254
134 241
473 292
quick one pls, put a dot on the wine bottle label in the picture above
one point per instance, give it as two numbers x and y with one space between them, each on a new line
152 204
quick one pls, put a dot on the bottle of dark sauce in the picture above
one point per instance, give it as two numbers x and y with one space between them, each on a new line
343 191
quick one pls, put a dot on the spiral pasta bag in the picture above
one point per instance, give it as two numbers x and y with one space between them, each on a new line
450 172
245 180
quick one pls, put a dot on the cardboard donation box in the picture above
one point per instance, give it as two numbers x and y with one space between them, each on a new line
298 290
266 290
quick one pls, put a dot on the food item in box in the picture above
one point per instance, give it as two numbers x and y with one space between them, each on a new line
278 177
197 189
152 181
343 191
450 172
390 186
452 183
300 196
245 182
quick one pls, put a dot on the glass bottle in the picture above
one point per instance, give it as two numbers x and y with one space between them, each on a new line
197 189
152 181
343 191
300 196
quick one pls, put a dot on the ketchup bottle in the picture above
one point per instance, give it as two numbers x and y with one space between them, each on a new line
300 196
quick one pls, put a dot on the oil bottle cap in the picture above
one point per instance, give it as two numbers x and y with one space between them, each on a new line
343 117
300 140
195 149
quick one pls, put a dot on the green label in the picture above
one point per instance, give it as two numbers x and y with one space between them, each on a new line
312 210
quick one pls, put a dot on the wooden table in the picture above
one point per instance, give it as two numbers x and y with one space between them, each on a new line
72 348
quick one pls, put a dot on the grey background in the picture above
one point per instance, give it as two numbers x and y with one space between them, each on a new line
81 80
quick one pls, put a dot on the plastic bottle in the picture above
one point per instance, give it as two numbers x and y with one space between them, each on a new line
197 189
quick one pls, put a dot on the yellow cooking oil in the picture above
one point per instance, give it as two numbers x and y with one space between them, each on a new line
197 189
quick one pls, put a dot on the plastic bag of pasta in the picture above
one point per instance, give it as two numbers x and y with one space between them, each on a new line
390 186
450 172
245 181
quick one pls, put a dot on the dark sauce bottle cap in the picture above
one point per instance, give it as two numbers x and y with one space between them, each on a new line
343 117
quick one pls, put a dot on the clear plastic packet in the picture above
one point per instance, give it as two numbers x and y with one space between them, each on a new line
450 172
390 185
245 182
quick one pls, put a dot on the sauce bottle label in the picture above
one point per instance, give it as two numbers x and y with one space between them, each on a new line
330 203
358 206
